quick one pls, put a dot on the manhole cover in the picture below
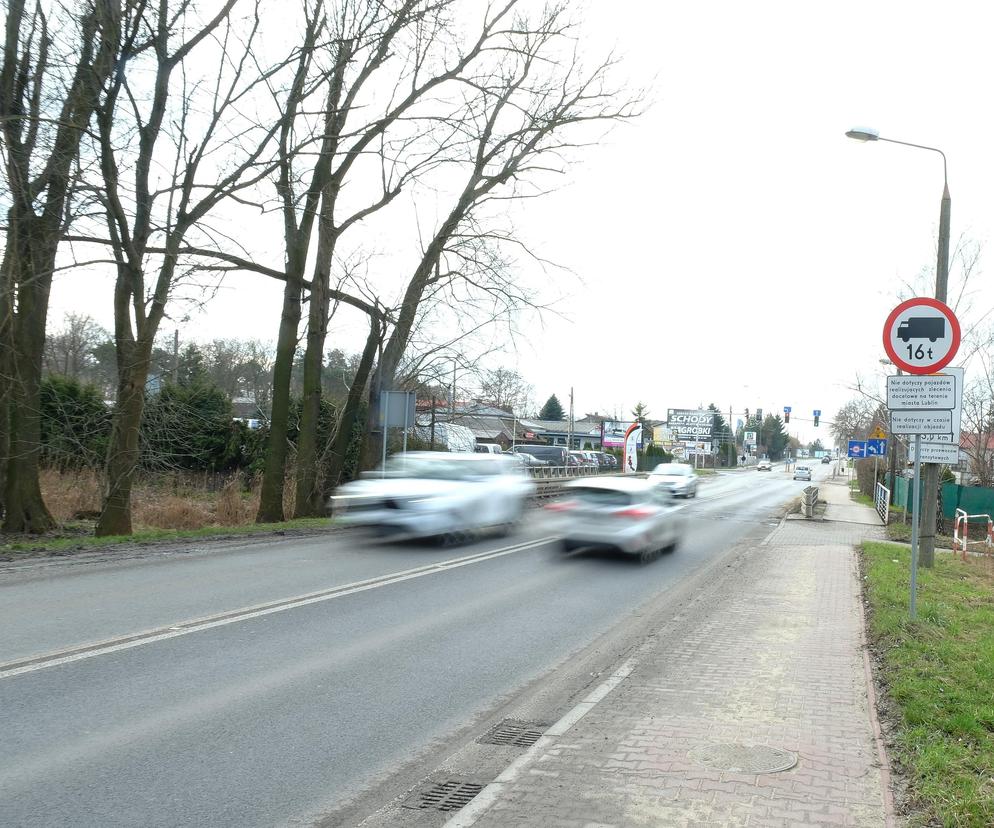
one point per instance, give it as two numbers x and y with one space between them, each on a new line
445 795
514 733
744 758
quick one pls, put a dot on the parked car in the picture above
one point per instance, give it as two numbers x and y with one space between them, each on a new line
595 461
552 455
679 478
802 473
525 459
631 516
608 461
583 459
436 494
489 448
764 465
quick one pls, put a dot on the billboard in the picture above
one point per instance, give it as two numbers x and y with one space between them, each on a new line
690 424
613 433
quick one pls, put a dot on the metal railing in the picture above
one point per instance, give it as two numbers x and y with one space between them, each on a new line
563 472
881 502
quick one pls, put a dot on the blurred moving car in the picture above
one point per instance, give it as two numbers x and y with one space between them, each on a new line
629 515
436 494
802 473
826 459
678 478
764 465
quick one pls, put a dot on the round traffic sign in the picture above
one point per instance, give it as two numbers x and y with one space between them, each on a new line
921 336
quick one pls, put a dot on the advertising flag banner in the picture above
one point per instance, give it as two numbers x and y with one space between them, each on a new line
632 439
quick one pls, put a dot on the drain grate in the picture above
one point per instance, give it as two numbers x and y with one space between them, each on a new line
514 733
445 795
744 758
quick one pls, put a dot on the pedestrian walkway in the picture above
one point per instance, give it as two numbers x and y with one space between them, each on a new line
765 667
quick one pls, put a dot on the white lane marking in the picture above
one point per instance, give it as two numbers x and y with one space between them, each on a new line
479 804
114 645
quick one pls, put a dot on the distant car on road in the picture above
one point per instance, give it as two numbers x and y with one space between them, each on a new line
802 473
436 494
678 478
635 517
826 459
764 465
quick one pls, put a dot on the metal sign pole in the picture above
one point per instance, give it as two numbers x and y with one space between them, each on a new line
915 508
383 412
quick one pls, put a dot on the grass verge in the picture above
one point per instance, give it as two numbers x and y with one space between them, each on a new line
80 542
938 673
902 532
866 500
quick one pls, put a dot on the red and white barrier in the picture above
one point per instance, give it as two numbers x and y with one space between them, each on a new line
961 532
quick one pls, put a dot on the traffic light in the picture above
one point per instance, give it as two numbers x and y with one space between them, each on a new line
786 415
817 417
759 414
747 415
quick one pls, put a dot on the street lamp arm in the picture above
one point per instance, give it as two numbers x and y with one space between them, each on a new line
945 176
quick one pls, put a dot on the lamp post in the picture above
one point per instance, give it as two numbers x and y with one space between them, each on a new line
941 282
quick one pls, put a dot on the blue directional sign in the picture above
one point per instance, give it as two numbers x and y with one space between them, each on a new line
817 412
876 448
786 409
857 448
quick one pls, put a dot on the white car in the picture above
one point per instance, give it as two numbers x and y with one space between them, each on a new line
626 514
802 473
678 478
764 465
436 494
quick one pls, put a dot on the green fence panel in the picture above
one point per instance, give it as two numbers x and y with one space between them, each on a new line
974 500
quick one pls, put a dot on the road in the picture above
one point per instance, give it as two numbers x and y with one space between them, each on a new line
269 682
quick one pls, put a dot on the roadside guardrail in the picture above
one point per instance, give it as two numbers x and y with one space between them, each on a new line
961 531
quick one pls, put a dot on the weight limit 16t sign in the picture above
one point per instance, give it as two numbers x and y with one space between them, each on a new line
921 336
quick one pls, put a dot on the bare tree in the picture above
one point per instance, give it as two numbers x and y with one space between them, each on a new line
505 389
523 112
69 351
854 420
156 194
49 88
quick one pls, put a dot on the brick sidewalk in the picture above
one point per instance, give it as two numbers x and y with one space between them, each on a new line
772 656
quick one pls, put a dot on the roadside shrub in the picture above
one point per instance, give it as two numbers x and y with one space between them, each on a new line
75 424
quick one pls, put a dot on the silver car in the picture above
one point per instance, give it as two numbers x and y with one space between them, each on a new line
678 478
436 494
626 514
802 473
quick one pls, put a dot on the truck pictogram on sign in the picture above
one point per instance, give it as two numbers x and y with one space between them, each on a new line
922 327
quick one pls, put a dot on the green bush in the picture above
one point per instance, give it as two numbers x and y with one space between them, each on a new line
75 424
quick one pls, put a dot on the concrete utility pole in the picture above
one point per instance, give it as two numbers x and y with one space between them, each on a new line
931 479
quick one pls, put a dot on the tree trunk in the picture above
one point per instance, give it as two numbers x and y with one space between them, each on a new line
134 360
271 496
28 264
309 483
345 427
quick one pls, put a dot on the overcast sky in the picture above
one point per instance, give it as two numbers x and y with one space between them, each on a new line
731 245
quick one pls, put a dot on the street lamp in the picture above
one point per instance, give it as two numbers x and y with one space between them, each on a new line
864 134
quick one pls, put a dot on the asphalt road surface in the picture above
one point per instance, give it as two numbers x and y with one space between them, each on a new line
267 682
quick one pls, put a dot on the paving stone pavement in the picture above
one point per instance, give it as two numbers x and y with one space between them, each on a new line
772 656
